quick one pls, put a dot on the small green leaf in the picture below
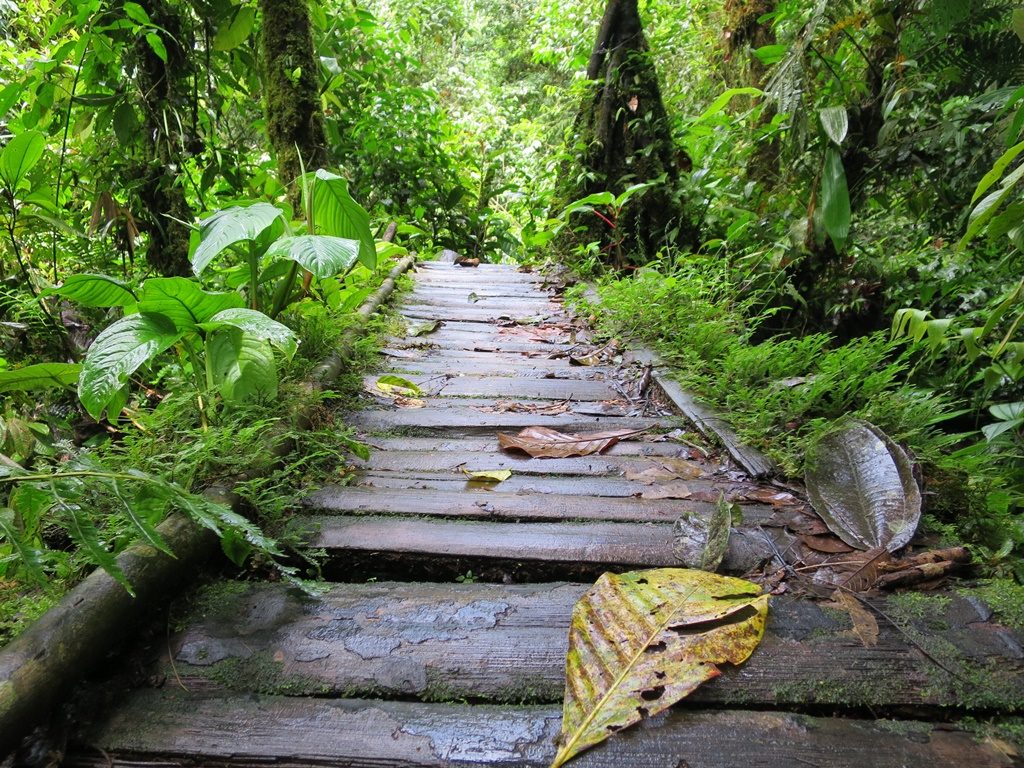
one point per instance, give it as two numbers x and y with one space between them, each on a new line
836 123
20 156
29 557
157 44
40 376
136 13
396 385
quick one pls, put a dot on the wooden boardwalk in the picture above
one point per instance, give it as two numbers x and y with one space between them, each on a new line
398 665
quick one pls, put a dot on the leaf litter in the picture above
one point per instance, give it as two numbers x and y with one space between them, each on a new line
545 443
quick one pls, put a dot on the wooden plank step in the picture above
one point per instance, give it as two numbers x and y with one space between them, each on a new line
474 343
614 487
173 728
538 303
452 357
484 291
472 314
607 464
631 447
525 369
507 386
467 421
498 505
485 405
591 543
507 643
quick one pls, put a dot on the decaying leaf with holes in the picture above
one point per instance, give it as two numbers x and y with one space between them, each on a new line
544 443
641 641
862 484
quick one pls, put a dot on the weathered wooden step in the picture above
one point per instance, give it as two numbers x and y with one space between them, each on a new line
173 728
507 643
483 315
501 505
456 422
523 368
508 386
489 444
574 485
454 357
590 543
483 292
471 342
608 463
528 304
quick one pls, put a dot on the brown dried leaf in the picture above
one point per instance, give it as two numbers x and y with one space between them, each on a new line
826 543
862 575
544 443
865 626
509 406
410 402
669 491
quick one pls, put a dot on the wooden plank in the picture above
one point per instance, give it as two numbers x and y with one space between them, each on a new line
475 343
498 505
471 445
471 314
607 464
465 421
485 405
507 387
574 485
509 361
175 728
508 643
632 544
523 368
532 304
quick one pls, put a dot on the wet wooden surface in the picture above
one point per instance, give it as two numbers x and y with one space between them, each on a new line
366 674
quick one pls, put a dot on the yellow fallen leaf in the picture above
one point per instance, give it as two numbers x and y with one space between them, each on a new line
490 475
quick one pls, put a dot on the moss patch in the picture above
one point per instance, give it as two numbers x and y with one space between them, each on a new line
1005 598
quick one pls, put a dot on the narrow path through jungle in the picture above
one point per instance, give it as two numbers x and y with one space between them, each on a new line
442 640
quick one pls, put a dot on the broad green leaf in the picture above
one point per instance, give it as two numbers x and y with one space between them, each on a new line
987 208
29 557
723 99
95 291
40 376
257 325
136 13
229 227
243 366
322 255
337 214
587 203
862 485
120 350
183 302
9 94
20 156
396 385
836 123
997 170
641 641
157 44
771 54
235 31
835 199
699 540
1007 411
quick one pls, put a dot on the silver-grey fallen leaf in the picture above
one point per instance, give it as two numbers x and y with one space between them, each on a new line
862 484
700 542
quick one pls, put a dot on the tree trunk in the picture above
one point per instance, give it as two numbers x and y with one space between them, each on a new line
625 139
295 123
167 104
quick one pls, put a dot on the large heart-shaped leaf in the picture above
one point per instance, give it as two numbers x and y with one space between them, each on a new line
183 302
119 350
229 227
337 214
40 376
243 366
257 325
862 484
96 291
641 641
322 255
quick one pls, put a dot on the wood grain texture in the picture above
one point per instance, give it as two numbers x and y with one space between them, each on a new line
172 728
452 385
507 643
465 421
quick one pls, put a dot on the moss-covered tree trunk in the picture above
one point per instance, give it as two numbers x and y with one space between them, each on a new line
168 107
295 122
624 138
